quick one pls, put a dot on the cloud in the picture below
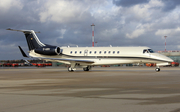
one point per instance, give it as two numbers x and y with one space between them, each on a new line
135 33
168 32
170 4
128 3
68 22
64 11
5 5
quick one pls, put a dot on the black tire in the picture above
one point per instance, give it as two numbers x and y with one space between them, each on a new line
86 69
157 69
70 69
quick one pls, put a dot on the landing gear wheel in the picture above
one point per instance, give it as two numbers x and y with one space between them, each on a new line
70 69
157 69
86 69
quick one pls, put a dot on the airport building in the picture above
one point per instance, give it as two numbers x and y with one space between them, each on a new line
175 55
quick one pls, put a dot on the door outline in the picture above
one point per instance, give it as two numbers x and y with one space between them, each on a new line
85 52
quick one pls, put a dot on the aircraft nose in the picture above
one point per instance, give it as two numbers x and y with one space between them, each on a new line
169 59
165 58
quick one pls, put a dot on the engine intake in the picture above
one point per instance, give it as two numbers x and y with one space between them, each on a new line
49 50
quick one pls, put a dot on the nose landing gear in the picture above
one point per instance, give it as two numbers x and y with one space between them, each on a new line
157 69
71 69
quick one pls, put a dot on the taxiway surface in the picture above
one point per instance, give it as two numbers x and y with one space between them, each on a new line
118 89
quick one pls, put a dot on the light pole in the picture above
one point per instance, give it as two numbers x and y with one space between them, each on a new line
96 43
92 34
165 42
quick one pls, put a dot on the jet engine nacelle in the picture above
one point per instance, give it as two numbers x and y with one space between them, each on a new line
48 50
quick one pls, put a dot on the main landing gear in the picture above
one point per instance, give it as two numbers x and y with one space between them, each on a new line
87 68
72 68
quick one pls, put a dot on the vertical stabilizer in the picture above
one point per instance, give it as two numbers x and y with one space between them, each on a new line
32 39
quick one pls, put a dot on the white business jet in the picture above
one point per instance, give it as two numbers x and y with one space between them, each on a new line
86 57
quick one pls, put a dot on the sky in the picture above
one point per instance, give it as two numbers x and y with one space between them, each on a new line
68 23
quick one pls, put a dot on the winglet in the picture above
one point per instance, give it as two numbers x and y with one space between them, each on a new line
23 53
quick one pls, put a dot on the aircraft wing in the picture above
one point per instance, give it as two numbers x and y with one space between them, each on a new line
70 60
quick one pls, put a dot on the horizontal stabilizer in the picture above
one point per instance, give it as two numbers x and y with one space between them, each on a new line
31 38
22 30
23 53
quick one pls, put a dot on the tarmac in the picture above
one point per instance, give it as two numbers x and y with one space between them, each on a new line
111 89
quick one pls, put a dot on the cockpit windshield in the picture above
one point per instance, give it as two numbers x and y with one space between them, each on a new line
145 51
148 51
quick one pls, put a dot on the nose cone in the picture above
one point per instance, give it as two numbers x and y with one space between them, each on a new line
163 58
169 59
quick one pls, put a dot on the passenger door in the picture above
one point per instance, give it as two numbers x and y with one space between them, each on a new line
85 52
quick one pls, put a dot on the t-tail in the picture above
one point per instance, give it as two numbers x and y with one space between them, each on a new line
35 44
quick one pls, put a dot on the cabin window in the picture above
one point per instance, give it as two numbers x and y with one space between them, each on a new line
80 52
104 52
117 52
90 52
75 52
109 52
113 52
99 52
71 52
94 52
